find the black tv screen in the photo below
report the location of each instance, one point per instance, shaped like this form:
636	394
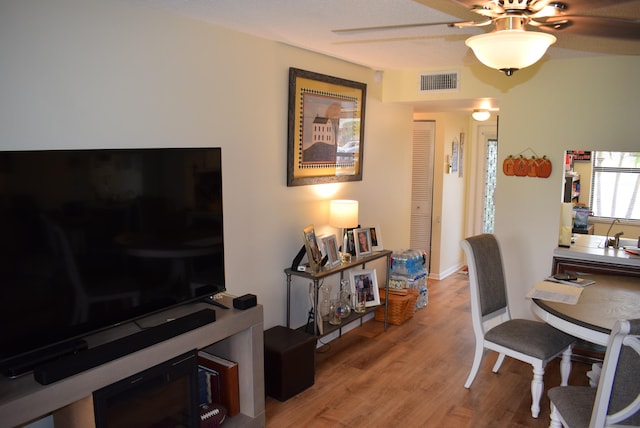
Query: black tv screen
93	238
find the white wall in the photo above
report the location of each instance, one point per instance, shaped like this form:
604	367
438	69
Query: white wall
101	73
589	103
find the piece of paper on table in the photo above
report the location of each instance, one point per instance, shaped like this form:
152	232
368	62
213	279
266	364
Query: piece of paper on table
555	292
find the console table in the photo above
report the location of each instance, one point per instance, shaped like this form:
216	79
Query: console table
317	277
236	335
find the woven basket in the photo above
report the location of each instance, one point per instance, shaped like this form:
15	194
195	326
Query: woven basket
402	305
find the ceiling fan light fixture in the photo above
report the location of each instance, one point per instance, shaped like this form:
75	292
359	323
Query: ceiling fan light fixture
510	50
481	115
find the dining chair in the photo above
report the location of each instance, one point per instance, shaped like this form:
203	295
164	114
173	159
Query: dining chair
616	400
526	340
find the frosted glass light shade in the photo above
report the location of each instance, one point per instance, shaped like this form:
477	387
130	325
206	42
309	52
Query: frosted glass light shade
481	115
510	50
343	213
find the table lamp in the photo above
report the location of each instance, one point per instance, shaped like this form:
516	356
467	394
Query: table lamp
343	214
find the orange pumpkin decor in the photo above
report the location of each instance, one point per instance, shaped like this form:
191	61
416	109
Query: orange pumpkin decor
521	166
533	167
543	167
507	166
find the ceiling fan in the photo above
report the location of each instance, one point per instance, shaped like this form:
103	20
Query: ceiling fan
509	47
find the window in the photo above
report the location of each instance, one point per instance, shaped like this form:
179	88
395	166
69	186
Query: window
489	211
615	184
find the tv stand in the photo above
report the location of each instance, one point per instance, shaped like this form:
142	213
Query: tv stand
236	335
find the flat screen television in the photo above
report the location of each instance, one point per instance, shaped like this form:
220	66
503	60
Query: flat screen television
95	238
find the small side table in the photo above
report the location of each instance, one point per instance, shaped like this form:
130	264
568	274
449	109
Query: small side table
289	362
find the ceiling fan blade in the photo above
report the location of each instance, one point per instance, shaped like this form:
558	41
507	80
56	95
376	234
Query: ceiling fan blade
593	26
392	27
470	4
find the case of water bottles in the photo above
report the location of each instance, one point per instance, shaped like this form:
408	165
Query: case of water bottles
408	270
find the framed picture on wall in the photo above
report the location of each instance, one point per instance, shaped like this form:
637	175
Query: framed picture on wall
461	155
325	129
454	156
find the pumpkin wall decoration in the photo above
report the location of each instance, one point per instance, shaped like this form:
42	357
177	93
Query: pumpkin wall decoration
521	166
543	167
533	167
507	166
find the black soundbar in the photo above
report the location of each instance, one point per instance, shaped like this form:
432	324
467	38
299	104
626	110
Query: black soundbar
25	363
68	366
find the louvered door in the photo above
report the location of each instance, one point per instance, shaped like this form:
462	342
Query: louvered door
422	185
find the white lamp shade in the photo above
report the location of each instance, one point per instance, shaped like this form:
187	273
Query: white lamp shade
343	213
510	49
481	115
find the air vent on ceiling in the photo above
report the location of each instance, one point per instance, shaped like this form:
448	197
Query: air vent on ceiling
440	82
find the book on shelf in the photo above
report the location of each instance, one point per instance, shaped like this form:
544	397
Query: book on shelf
209	385
228	377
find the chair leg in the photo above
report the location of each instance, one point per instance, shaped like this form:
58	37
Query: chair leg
565	366
537	386
477	359
555	418
498	363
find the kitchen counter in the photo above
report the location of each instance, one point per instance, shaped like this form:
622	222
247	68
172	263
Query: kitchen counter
587	253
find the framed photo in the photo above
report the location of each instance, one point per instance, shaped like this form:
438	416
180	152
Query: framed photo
313	250
367	280
461	155
376	238
363	241
325	129
454	155
330	245
349	244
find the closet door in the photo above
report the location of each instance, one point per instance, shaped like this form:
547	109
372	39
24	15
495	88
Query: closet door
422	185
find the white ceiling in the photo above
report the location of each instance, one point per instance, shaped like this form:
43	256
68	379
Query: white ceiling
308	24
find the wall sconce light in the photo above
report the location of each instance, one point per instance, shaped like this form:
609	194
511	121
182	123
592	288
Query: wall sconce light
343	214
510	48
481	115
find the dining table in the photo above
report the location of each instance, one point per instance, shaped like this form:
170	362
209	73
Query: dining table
599	305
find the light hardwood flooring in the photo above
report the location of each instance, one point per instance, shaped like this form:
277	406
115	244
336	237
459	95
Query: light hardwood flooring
413	375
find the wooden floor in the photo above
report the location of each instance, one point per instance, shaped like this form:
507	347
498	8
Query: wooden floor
413	375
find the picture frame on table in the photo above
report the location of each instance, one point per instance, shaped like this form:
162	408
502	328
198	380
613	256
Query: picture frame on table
349	244
325	128
330	245
376	238
367	280
363	241
314	256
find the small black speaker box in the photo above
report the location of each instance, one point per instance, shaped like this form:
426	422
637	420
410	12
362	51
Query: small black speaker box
245	302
